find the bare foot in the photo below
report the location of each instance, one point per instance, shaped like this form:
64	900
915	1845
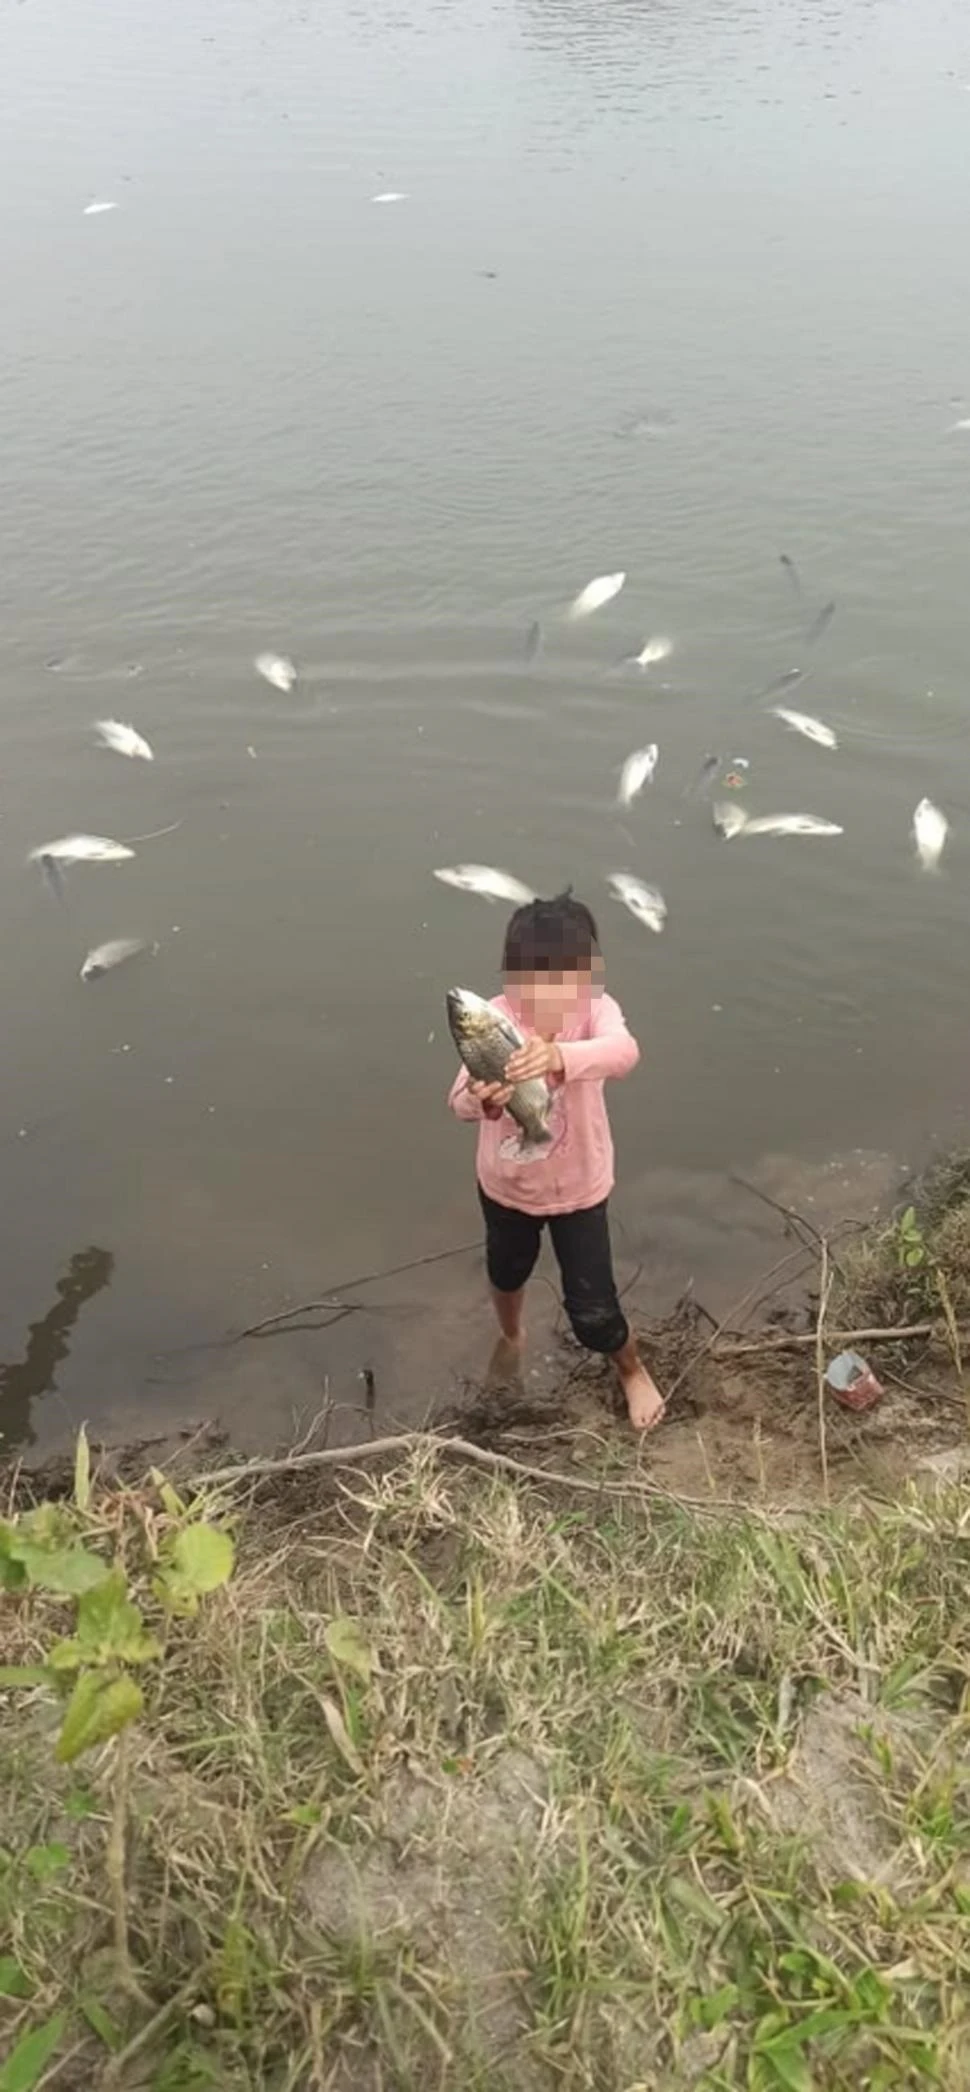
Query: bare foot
643	1399
505	1365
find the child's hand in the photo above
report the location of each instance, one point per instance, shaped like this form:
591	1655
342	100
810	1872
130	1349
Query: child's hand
536	1057
492	1096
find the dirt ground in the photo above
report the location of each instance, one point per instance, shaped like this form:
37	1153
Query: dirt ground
743	1418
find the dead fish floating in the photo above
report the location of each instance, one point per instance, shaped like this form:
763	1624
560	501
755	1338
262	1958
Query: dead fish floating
644	902
652	650
277	670
731	820
123	740
930	831
486	1040
803	723
639	769
728	818
103	958
600	590
487	880
81	849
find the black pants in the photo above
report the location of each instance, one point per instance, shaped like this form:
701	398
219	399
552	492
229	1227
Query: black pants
582	1245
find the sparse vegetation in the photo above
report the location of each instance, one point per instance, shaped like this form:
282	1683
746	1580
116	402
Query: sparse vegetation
463	1782
917	1267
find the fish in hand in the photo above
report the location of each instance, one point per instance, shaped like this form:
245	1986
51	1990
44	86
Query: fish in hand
486	1041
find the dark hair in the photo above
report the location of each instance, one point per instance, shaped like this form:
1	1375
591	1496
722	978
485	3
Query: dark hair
551	936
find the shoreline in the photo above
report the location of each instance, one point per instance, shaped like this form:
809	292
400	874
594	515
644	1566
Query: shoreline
517	1745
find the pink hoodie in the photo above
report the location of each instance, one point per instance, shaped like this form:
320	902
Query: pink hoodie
578	1170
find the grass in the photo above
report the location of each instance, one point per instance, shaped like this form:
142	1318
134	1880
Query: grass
608	1798
876	1284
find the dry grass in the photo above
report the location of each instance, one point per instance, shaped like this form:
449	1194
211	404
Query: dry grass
877	1286
575	1828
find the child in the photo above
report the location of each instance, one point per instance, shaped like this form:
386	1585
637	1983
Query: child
577	1037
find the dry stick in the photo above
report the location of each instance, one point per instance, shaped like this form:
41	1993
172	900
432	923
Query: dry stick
149	2032
306	1307
792	1341
760	1300
115	1858
709	1342
273	1325
369	1278
464	1449
824	1289
788	1213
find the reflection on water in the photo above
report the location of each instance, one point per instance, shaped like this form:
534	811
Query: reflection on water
677	286
24	1379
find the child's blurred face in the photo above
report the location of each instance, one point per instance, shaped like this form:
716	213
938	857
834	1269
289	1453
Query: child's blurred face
552	1000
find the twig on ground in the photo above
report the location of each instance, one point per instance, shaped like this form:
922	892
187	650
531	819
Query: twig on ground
794	1340
793	1257
149	2033
463	1449
115	1867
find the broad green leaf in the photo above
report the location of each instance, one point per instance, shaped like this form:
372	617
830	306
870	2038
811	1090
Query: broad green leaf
709	2011
67	1656
306	1815
344	1638
202	1557
110	1627
907	1225
101	2021
173	1592
13	1982
24	1674
26	2063
914	1257
67	1570
44	1861
786	2057
82	1471
97	1709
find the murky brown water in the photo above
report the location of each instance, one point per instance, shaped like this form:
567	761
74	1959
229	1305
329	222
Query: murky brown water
249	408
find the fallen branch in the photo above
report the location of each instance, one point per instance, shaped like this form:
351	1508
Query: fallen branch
789	1215
352	1285
461	1449
719	1328
306	1307
789	1340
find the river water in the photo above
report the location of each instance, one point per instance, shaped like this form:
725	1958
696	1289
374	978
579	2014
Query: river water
673	288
